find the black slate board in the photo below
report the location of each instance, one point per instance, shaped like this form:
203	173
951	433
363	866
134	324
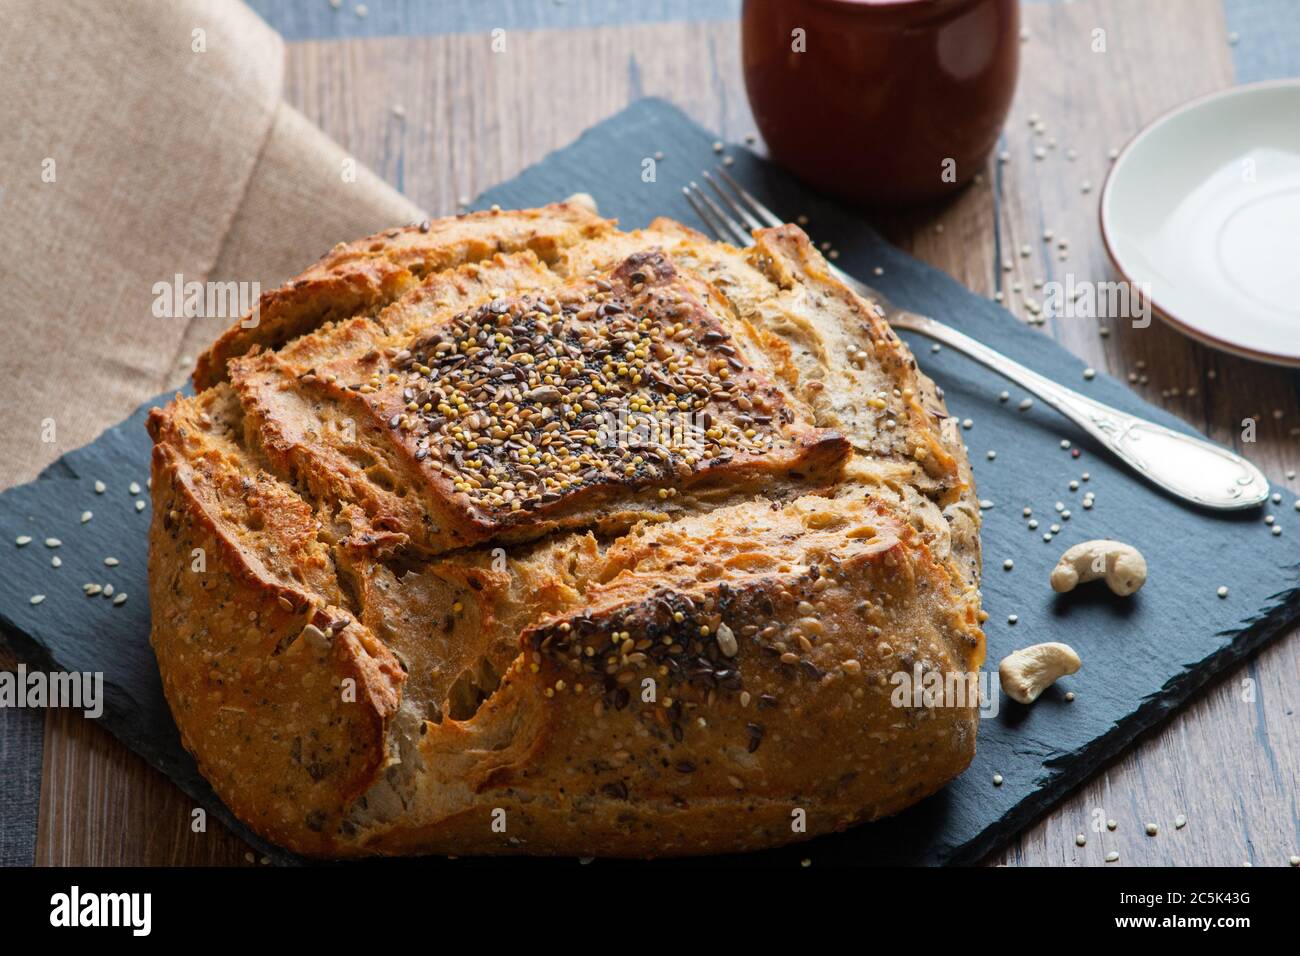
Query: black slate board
1142	657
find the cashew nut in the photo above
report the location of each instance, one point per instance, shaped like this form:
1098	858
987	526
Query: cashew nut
1028	672
586	201
1122	565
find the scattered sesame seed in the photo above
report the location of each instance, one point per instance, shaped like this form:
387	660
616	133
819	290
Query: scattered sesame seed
1295	861
1111	824
1180	821
1152	829
935	347
1003	396
997	780
100	487
92	589
1065	444
1013	619
56	562
1277	530
1112	154
52	542
1112	856
1027	512
967	424
86	516
108	590
134	488
1026	404
1277	498
1074	485
1008	564
717	146
985	503
120	599
1047	537
112	562
139	506
1089	374
1069	696
25	539
1033	524
992	454
362	11
37	598
1223	591
1080	840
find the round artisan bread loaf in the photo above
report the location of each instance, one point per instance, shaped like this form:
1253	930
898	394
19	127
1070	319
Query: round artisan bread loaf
515	533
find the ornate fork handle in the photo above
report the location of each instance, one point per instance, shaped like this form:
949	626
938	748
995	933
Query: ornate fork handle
1192	468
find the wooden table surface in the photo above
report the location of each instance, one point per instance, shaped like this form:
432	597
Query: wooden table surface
441	117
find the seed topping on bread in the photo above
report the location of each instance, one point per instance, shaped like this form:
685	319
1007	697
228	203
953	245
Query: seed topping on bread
624	378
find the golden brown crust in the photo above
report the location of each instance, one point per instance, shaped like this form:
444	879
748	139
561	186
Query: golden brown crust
360	278
431	574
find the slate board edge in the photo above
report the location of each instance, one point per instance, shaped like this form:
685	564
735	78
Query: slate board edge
187	779
1111	746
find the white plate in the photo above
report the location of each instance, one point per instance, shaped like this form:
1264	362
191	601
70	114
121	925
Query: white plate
1204	204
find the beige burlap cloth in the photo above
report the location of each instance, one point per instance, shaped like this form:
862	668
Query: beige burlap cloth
141	140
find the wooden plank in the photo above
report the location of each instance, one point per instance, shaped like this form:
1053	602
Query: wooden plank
470	118
101	805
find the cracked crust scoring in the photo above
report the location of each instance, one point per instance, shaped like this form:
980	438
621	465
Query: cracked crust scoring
408	597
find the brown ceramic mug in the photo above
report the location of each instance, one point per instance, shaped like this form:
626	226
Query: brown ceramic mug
881	102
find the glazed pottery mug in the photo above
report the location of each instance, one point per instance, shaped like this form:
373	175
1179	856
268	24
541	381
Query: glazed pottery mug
881	102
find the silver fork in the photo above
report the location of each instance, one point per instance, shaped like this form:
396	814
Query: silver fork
1191	468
